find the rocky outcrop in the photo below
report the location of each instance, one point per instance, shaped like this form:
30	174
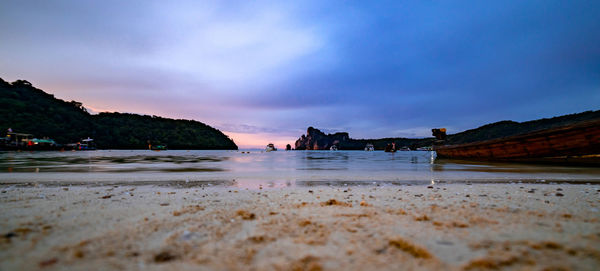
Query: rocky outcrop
317	140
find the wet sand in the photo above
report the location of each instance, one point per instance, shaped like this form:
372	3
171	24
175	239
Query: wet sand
389	227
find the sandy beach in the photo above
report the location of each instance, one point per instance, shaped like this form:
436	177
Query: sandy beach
511	226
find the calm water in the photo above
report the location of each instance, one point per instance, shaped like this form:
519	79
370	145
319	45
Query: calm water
280	168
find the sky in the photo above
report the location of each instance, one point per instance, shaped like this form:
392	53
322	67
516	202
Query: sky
264	71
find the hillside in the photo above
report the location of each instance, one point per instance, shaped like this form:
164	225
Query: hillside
317	140
27	109
509	128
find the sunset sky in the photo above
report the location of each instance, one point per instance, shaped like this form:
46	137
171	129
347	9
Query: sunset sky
263	71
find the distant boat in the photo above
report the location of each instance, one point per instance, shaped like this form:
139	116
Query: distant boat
158	147
44	144
333	148
369	147
83	145
270	147
390	148
577	144
16	141
87	145
20	141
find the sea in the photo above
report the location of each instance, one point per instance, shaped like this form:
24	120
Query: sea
260	169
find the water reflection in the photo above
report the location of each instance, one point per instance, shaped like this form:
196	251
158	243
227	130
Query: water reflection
273	184
272	169
323	160
107	161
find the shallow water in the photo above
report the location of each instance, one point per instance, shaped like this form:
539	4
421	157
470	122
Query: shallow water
273	169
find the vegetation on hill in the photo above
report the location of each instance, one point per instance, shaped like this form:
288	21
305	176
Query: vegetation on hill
27	109
381	143
509	128
315	139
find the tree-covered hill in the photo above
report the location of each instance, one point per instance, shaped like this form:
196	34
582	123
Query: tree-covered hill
317	140
27	109
129	131
509	128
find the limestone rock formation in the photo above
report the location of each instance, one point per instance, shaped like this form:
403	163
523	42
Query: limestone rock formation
317	140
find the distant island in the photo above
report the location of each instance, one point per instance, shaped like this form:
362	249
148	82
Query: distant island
317	140
26	109
314	139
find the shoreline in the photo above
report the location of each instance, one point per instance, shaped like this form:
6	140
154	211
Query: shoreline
255	184
455	226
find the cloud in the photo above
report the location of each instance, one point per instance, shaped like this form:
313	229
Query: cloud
274	68
236	51
249	129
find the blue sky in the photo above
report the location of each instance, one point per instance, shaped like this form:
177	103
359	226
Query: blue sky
263	71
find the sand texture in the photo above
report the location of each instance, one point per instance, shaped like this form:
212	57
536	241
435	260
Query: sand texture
418	227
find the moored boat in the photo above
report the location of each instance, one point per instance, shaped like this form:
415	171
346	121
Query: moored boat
158	147
83	145
270	147
27	142
16	141
390	147
87	145
577	144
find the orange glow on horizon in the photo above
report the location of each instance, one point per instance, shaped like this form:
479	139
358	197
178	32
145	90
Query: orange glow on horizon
242	140
260	140
97	110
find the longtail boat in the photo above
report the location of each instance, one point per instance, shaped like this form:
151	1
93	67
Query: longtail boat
571	144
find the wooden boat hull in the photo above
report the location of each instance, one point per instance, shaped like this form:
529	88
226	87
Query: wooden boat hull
571	144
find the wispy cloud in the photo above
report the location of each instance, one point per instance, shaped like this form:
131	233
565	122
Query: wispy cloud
271	68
